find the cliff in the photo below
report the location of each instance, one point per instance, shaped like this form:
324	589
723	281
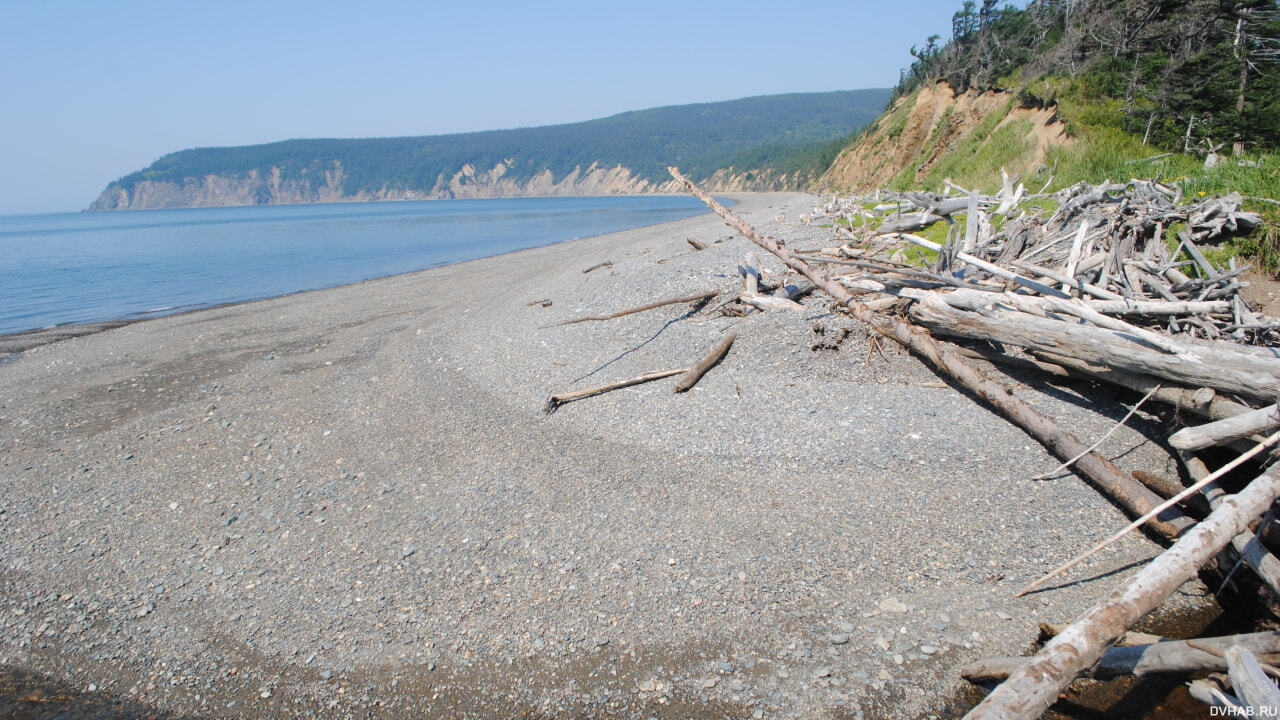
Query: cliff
272	188
937	131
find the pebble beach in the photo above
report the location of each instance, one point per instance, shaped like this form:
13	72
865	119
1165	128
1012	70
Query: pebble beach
351	503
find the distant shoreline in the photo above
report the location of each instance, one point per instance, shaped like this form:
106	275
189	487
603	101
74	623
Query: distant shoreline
13	343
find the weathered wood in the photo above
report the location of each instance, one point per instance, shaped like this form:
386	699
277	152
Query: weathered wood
749	269
1249	682
597	266
769	302
1068	463
989	267
555	401
1212	477
661	303
1201	401
1173	656
966	299
907	223
1234	373
1210	693
697	246
1222	432
697	371
1166	489
1125	491
1030	690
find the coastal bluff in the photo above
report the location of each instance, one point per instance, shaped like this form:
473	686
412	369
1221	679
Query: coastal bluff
274	188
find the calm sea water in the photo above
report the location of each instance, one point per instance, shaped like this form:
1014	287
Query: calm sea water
81	267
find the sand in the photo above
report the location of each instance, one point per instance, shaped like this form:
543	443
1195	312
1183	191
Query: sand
349	503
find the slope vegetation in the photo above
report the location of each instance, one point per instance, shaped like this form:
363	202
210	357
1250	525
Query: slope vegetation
768	142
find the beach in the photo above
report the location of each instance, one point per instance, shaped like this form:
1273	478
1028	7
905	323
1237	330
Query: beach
350	503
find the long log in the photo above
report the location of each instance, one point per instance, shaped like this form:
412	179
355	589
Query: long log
1174	656
1122	489
1227	430
1030	690
1235	373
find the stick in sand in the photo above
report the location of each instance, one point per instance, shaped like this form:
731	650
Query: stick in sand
555	401
1154	511
715	356
1091	448
642	308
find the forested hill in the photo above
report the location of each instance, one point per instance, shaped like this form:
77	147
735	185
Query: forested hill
767	142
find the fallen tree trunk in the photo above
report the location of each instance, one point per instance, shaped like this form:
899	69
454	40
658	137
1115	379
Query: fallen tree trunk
1122	489
1235	373
1174	656
1227	430
1033	687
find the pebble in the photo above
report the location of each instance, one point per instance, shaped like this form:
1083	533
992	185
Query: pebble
892	605
726	667
840	639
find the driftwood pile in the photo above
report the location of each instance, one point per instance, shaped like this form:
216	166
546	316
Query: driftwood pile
1108	283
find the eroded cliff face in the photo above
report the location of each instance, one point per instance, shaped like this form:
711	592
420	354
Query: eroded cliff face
920	130
256	188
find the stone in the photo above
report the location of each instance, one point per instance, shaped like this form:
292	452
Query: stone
892	605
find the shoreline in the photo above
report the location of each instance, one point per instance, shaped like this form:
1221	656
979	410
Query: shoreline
13	343
348	502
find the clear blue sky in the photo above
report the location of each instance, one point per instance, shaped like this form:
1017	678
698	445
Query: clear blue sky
95	90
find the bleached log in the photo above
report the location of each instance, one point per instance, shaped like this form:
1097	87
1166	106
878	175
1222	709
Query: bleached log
1031	689
1173	656
907	223
974	300
1224	431
1250	683
1244	375
769	302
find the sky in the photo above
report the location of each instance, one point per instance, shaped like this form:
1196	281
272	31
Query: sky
92	91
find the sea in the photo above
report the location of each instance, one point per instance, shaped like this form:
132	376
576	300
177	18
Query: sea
59	269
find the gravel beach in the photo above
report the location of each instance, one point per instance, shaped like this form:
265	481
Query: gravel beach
350	503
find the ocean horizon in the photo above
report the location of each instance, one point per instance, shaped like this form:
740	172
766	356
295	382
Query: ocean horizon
70	268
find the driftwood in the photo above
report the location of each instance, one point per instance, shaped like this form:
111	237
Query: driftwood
1031	689
555	401
597	266
1227	430
1250	683
1173	656
1212	477
1121	488
642	308
695	373
1238	373
697	246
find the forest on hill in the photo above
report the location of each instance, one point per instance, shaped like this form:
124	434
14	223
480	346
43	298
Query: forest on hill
790	138
1182	74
